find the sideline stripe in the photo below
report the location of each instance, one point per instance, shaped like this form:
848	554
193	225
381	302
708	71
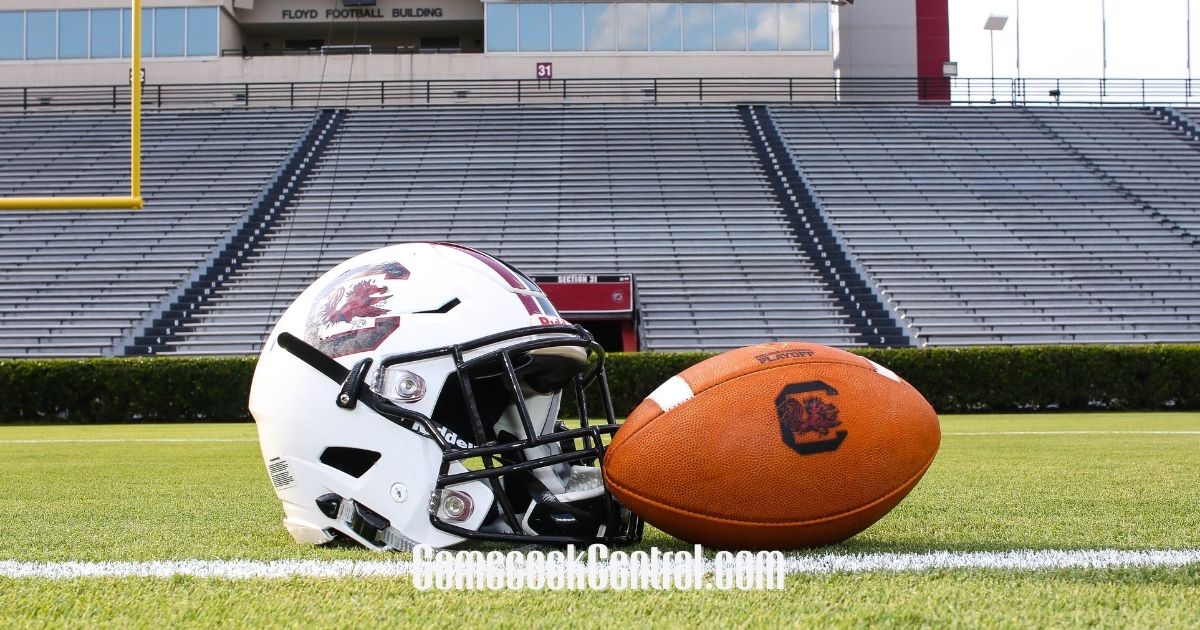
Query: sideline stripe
1027	560
125	440
1072	433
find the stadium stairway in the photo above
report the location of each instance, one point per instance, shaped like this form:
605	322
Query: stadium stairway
82	283
176	321
1141	154
968	225
1180	120
872	322
673	195
984	227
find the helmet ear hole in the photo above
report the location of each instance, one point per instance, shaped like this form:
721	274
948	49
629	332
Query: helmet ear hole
352	461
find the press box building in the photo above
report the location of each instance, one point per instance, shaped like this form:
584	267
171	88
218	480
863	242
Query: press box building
86	42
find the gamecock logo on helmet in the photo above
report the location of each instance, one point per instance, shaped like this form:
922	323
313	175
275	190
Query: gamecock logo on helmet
807	417
362	301
352	313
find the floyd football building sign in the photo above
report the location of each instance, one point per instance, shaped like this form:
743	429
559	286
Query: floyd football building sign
382	11
360	13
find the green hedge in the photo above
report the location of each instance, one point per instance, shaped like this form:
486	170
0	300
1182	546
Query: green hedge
156	389
1064	378
1048	378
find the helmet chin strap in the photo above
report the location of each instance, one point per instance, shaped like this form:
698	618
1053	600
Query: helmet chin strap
560	493
543	411
579	511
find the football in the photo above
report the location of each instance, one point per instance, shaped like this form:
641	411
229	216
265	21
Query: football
776	446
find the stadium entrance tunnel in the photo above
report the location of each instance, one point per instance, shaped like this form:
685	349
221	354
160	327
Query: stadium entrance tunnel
603	304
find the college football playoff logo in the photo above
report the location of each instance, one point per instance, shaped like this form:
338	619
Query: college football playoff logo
808	418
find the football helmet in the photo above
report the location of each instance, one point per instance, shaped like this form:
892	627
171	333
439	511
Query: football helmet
411	396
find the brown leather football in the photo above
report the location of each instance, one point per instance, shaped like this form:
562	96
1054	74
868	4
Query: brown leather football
776	446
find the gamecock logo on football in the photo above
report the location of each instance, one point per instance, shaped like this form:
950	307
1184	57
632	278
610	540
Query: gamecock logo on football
807	418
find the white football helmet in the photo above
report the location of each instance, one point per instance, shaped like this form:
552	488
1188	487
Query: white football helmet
411	395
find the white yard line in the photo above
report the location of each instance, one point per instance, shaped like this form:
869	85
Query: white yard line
807	564
1024	560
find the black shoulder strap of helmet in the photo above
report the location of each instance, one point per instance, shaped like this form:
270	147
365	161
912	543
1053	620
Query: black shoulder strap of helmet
320	361
350	379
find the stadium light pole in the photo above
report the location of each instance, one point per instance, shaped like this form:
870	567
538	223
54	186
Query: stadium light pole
134	201
1103	45
1018	27
994	23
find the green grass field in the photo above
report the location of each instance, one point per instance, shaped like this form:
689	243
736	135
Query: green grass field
1094	481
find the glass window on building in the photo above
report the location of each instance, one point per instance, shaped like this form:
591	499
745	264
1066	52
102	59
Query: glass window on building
698	27
73	34
202	39
533	24
169	32
567	26
106	34
794	28
147	32
12	34
41	34
631	26
762	26
599	26
664	26
657	26
501	24
820	27
730	21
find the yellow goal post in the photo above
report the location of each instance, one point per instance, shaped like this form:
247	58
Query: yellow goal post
134	201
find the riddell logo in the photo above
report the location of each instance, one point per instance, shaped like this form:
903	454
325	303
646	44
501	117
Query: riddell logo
808	417
446	434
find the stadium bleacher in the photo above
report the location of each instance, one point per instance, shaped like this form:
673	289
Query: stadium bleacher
978	225
82	283
1142	155
672	195
984	227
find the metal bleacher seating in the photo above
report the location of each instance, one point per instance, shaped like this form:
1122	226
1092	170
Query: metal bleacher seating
1011	226
1141	153
980	225
672	194
81	283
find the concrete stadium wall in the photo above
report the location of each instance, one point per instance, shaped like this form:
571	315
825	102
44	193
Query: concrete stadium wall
877	38
381	67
